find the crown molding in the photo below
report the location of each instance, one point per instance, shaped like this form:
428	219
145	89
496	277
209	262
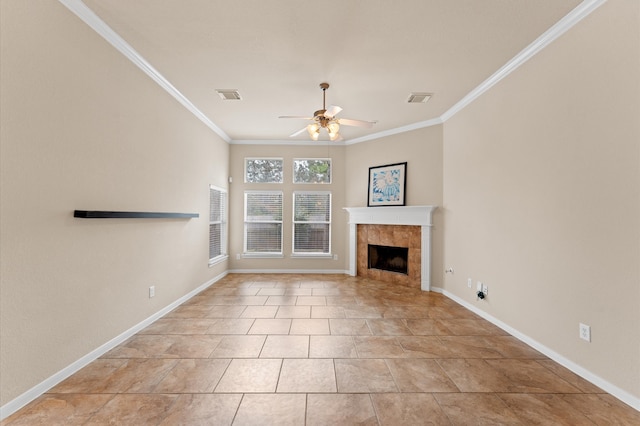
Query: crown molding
395	131
285	142
559	28
83	12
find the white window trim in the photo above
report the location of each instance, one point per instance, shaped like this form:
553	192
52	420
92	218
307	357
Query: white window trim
224	229
262	158
299	255
254	255
293	177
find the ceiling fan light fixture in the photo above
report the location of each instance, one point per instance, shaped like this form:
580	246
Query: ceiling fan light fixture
333	127
314	131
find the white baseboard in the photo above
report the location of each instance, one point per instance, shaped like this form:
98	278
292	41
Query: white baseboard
621	394
39	389
289	271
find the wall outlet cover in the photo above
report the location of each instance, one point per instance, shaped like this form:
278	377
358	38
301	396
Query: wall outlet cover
585	332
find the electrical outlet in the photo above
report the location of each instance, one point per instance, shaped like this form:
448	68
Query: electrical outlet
152	291
469	282
585	332
485	289
237	256
479	286
335	257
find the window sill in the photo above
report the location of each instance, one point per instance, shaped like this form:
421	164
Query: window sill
218	259
311	256
262	255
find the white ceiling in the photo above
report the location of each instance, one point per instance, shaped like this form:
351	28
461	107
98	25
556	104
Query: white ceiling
374	53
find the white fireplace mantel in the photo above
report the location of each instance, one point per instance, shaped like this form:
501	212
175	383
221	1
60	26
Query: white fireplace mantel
394	215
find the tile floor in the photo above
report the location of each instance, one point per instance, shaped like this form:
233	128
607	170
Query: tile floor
322	350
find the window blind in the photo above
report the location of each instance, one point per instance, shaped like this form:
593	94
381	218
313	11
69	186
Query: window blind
263	222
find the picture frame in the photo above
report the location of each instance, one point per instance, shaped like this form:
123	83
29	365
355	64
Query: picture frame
387	185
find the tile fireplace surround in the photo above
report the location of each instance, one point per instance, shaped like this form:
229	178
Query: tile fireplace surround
407	226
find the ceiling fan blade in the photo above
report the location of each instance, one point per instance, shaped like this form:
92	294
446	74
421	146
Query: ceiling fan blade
332	111
357	123
296	116
292	135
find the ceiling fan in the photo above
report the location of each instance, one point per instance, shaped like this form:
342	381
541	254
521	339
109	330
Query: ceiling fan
326	119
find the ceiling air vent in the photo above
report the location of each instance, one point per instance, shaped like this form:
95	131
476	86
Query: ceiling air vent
229	94
419	98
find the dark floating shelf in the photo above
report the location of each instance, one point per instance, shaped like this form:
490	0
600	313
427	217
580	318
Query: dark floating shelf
98	214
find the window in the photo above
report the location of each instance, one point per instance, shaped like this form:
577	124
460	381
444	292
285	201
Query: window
312	170
217	224
311	222
263	170
263	223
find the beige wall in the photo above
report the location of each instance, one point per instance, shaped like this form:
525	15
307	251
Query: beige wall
82	128
422	150
542	196
323	149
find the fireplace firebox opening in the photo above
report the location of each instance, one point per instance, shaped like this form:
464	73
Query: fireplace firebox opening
386	258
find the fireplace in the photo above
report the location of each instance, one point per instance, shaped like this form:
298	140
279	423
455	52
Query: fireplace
392	226
388	258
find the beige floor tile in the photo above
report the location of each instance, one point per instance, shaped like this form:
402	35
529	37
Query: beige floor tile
570	377
250	376
166	346
239	347
193	376
488	409
420	375
231	326
603	409
340	409
427	327
414	312
59	409
529	376
362	312
409	409
298	292
363	376
179	326
294	312
325	292
431	362
378	347
145	409
311	301
388	327
348	327
307	376
259	312
332	347
423	347
271	409
189	311
225	311
471	327
545	409
271	292
469	347
277	346
281	300
203	409
309	326
271	326
475	375
327	312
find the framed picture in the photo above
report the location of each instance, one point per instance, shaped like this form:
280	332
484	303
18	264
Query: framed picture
387	185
